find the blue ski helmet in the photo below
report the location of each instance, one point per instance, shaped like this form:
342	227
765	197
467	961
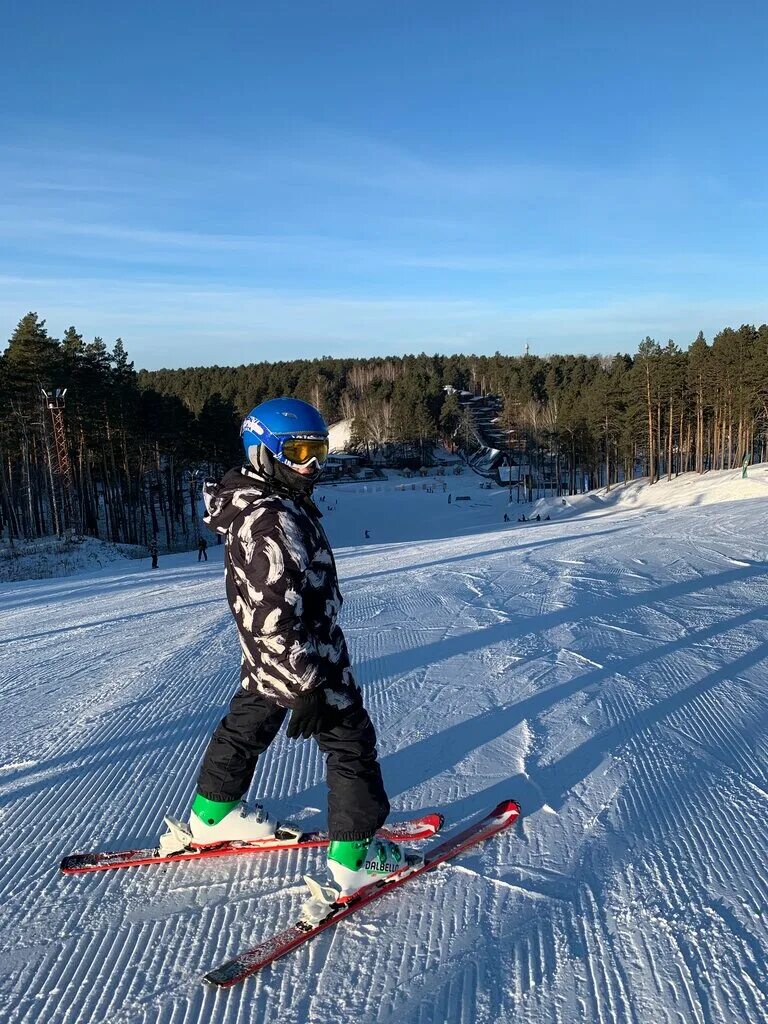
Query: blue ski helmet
293	431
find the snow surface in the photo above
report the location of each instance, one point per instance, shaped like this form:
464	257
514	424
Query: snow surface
606	668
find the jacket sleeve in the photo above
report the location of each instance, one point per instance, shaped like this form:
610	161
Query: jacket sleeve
269	559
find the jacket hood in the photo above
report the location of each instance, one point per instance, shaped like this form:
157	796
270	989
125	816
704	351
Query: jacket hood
238	488
225	499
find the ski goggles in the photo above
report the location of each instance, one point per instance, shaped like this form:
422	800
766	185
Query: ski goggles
290	449
300	451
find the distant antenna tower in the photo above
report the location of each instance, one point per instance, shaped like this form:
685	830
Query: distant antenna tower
527	348
55	402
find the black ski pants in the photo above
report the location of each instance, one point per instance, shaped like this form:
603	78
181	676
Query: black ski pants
357	803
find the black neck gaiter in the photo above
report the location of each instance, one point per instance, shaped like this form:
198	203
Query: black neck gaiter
282	477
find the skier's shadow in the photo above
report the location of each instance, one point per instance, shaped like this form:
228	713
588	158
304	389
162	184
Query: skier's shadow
400	662
426	759
506	550
429	757
552	784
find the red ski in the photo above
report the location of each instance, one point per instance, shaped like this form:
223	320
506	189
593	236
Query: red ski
287	837
242	966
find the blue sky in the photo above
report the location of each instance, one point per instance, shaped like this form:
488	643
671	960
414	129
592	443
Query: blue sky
224	183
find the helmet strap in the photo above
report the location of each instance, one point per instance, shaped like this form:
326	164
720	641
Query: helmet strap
261	458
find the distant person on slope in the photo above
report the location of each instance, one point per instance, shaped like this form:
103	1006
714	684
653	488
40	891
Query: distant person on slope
202	550
283	590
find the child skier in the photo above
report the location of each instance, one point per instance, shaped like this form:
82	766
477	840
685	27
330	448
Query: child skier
283	590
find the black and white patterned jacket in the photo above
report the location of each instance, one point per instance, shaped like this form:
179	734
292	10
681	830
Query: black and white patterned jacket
282	588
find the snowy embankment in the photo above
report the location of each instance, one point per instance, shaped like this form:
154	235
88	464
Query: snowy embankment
58	556
606	668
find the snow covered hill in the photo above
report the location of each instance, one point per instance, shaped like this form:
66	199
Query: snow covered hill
607	668
340	434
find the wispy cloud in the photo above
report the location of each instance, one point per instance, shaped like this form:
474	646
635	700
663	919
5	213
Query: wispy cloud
355	161
80	189
366	247
140	244
164	323
328	159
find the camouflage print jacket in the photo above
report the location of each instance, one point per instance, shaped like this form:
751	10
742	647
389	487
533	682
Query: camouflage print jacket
282	588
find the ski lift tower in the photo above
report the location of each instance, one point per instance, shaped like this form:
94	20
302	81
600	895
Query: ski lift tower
55	402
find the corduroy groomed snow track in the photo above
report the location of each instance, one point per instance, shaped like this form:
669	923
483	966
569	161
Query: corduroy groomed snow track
608	669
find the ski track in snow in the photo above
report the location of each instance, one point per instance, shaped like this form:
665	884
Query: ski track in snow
607	670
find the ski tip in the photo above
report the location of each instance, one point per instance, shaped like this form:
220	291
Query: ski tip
76	863
221	977
434	822
507	809
231	973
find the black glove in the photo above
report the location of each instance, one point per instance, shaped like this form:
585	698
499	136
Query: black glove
308	716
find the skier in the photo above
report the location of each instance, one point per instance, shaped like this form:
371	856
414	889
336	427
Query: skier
202	549
153	552
283	591
367	535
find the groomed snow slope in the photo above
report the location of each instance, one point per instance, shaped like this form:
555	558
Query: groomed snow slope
608	669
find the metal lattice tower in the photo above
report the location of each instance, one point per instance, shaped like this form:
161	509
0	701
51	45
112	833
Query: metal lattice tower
55	402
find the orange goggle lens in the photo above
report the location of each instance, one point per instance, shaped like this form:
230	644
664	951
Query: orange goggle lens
303	449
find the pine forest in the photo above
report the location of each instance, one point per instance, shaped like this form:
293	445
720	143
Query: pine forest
91	446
